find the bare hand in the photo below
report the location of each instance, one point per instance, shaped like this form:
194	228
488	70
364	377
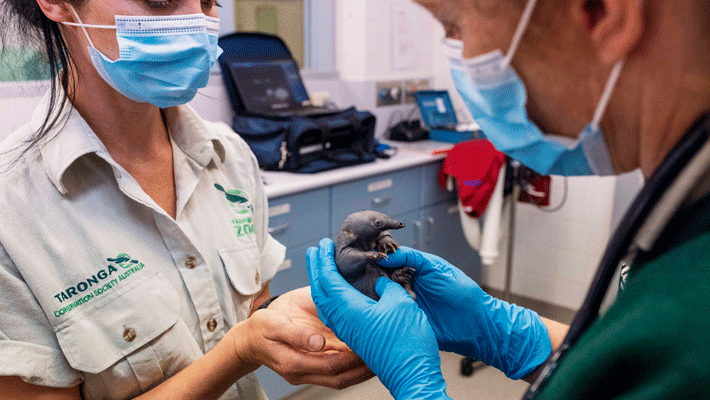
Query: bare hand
289	338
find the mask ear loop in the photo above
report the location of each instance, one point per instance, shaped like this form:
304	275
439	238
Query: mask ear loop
522	26
84	26
608	91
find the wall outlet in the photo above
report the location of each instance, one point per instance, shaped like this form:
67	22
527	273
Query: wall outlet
389	93
536	191
412	86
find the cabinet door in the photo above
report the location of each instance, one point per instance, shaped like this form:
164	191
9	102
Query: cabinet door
294	277
296	273
411	234
432	193
300	218
393	193
443	236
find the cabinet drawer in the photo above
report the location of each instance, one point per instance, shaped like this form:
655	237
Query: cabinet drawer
412	233
432	193
300	218
295	275
392	194
443	236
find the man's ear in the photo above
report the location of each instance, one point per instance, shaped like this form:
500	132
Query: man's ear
430	5
440	10
615	26
57	10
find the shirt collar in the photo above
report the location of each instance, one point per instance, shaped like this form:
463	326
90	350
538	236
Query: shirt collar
192	135
72	138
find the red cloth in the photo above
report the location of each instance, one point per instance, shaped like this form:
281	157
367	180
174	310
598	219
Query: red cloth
475	165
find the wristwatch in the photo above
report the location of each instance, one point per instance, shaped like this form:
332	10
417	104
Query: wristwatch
265	304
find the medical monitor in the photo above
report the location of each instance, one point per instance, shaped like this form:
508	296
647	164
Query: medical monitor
436	108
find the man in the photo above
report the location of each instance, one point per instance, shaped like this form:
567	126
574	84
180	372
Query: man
633	76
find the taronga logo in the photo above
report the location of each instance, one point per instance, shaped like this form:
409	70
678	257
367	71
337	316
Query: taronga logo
237	199
244	224
97	284
123	260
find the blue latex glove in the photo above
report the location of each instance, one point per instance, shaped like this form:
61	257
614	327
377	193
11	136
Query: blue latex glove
468	321
392	335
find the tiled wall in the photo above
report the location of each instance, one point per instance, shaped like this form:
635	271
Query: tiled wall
556	254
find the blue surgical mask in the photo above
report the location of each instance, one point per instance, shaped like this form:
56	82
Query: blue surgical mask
163	60
496	97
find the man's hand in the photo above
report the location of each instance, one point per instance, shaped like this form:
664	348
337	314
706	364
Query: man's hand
468	321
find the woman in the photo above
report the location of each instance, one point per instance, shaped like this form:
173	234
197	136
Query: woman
134	252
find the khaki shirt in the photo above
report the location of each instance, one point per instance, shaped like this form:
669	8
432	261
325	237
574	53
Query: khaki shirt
99	286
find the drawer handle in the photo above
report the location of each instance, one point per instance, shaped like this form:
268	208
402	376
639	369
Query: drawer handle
276	230
430	229
417	234
379	201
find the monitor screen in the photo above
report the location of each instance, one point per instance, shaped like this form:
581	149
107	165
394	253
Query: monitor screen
436	108
269	85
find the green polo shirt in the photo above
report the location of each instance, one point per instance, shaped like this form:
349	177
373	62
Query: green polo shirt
654	342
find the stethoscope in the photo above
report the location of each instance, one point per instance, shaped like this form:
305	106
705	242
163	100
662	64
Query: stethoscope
666	191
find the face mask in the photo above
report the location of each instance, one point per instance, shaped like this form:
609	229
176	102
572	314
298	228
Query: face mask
163	60
496	97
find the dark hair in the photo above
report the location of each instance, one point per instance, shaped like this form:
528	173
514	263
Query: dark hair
26	18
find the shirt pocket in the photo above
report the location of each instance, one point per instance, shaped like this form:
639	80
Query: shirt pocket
119	325
243	265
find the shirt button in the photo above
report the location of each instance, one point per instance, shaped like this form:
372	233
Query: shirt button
257	278
129	335
212	325
190	262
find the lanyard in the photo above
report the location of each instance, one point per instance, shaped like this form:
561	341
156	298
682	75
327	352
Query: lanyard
665	192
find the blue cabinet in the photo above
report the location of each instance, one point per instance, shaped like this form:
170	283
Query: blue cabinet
444	237
300	218
273	384
431	191
295	274
293	277
392	194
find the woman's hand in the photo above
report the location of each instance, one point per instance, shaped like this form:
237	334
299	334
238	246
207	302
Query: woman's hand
288	338
298	305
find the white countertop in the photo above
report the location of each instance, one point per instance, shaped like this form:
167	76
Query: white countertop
278	184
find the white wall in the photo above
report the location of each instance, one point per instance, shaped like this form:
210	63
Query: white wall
556	254
383	39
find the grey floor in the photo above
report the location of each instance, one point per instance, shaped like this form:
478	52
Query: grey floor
486	383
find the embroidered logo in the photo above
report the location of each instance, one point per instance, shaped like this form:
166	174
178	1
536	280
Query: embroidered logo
237	199
244	224
99	283
624	279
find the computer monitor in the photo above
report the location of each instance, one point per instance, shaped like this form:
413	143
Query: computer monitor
268	86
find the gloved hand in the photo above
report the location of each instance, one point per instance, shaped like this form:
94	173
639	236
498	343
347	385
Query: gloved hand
391	335
468	321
